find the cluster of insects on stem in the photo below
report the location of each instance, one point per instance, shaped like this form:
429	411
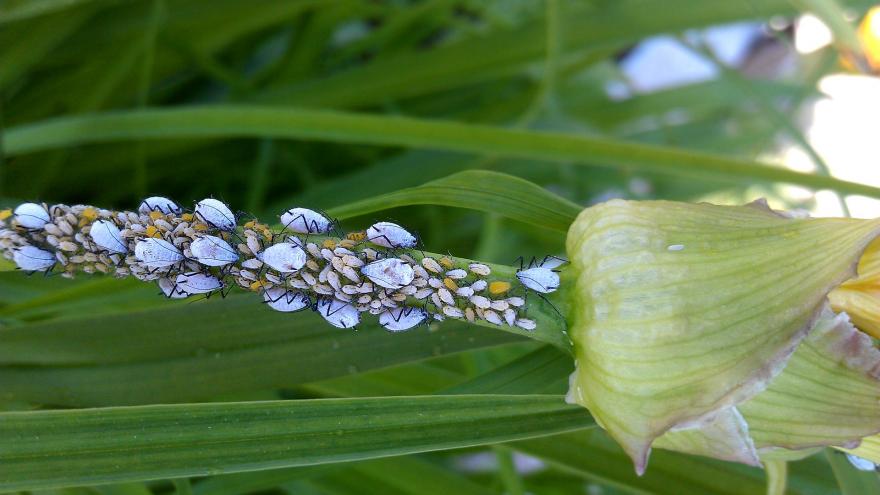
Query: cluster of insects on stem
309	263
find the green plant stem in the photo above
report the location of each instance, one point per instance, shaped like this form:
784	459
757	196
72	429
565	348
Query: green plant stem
510	479
777	476
260	121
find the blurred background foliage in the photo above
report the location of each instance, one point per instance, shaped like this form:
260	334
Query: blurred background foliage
749	80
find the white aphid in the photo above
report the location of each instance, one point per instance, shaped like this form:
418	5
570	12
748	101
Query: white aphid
479	285
539	279
481	302
107	236
453	312
157	253
431	264
456	274
390	235
211	250
170	289
197	283
526	324
492	317
675	247
306	221
286	301
339	314
252	264
215	213
861	463
480	269
31	215
284	257
160	204
33	259
391	273
401	319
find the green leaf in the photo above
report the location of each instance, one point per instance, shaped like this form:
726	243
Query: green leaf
91	446
257	121
851	480
481	190
196	351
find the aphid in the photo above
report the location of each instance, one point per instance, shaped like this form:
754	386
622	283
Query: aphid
107	236
500	305
31	215
286	301
306	221
170	289
526	324
539	279
197	283
498	287
252	264
469	314
492	317
391	273
337	313
159	204
284	257
509	317
450	284
211	250
481	302
33	259
452	312
479	285
402	319
216	214
456	274
446	262
446	296
390	235
516	301
157	253
423	293
480	269
465	291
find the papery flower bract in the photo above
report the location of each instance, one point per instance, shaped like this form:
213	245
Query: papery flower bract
860	296
681	313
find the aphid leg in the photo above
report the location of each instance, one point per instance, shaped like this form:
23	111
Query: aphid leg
521	262
561	316
552	257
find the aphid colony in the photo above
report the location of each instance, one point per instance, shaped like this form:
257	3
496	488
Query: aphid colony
301	267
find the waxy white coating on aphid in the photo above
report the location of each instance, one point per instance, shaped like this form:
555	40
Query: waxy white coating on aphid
211	250
107	236
539	279
480	269
338	313
481	302
170	289
197	283
215	213
479	285
431	265
284	257
456	274
31	215
281	299
492	317
160	204
33	259
157	253
860	463
402	319
391	273
526	324
390	235
305	221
